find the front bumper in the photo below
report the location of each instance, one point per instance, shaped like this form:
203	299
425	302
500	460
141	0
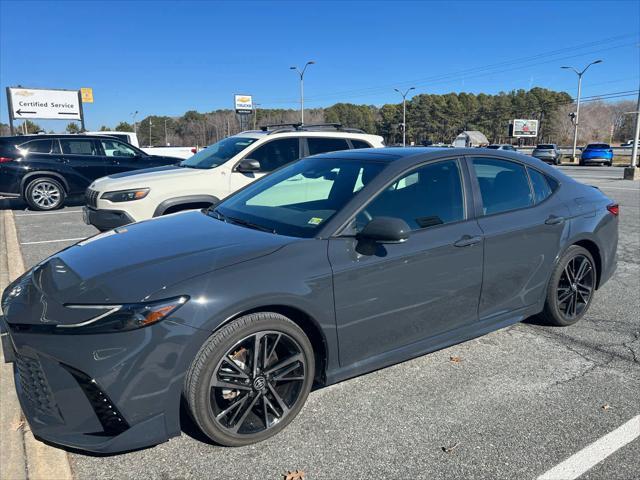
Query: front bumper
105	219
103	393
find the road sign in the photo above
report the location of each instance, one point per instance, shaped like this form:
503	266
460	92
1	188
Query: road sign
243	104
46	104
524	128
87	95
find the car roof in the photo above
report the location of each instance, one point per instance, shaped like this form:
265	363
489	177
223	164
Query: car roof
304	133
26	138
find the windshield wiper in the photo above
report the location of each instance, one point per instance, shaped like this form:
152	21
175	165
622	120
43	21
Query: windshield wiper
244	223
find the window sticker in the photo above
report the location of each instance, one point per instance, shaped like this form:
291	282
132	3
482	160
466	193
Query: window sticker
315	221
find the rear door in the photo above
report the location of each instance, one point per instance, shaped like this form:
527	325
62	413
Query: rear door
523	229
83	156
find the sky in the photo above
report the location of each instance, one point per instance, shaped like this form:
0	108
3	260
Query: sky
168	57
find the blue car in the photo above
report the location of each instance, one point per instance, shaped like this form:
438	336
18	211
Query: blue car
597	153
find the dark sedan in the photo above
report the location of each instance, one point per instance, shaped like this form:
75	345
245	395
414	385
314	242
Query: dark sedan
45	169
330	267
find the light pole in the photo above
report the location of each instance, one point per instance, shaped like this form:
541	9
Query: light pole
404	114
150	124
301	73
166	138
135	126
632	172
577	119
255	114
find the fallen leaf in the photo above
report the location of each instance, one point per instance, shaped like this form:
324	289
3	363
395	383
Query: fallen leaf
451	448
606	406
294	475
17	425
455	359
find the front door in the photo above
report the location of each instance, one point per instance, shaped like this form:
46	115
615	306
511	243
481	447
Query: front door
83	156
270	155
120	157
407	292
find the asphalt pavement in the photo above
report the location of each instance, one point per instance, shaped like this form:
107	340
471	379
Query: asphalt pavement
512	404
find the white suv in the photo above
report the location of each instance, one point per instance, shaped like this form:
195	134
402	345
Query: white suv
213	173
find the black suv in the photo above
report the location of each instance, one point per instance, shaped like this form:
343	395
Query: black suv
45	169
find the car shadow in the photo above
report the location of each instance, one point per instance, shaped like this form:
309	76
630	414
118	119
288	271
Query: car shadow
19	204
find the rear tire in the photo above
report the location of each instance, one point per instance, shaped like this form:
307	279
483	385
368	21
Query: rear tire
45	193
270	387
571	288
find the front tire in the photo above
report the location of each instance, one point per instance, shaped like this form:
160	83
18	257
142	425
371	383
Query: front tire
571	288
250	379
45	193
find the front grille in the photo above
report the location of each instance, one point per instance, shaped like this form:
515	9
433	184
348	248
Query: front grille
34	386
91	197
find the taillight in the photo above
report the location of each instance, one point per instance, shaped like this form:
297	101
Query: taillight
194	150
6	159
614	209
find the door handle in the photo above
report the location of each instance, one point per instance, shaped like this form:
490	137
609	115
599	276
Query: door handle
554	220
467	240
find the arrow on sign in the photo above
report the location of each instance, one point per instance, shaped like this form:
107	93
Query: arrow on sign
67	113
20	112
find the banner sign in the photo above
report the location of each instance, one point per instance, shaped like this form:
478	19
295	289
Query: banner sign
243	104
525	128
45	104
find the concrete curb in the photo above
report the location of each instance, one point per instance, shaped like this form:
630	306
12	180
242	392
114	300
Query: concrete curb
23	457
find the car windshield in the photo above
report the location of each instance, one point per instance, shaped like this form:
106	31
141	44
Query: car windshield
494	147
598	145
218	153
300	198
545	147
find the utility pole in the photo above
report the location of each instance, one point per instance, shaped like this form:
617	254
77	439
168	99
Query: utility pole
404	114
166	138
301	73
632	172
577	117
150	124
255	115
135	125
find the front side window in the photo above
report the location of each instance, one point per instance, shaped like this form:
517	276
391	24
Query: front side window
429	196
78	147
504	185
37	146
115	148
542	185
276	153
323	145
218	153
300	198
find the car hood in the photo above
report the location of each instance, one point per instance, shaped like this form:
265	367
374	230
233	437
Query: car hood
145	177
128	264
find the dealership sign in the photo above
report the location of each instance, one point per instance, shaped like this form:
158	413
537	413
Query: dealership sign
524	128
243	104
46	104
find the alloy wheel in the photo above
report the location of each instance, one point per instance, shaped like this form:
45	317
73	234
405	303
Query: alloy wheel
46	195
575	287
257	382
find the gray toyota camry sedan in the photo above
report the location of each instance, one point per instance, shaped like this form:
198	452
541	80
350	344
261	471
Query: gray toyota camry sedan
330	267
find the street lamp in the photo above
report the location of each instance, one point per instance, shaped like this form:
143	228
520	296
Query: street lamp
166	138
135	126
255	114
577	118
404	114
150	124
301	73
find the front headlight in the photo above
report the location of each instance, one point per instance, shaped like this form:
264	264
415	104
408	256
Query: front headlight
125	195
121	318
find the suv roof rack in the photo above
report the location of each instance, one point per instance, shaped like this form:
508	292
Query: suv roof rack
299	127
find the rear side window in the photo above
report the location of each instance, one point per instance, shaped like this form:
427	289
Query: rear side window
78	147
598	145
543	186
546	147
323	145
504	185
360	144
37	146
276	153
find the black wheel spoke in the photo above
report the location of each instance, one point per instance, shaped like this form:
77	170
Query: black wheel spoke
271	350
280	365
283	406
236	426
280	375
237	404
567	292
229	384
239	372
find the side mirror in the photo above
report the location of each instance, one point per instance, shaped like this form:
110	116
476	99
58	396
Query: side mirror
385	230
248	165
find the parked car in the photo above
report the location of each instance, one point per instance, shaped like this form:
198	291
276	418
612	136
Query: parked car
45	169
547	152
212	173
132	138
628	143
597	153
331	267
501	146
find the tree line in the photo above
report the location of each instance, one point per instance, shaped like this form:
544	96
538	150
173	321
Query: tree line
430	118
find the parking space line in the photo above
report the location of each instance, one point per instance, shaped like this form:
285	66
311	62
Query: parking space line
588	457
53	241
45	213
